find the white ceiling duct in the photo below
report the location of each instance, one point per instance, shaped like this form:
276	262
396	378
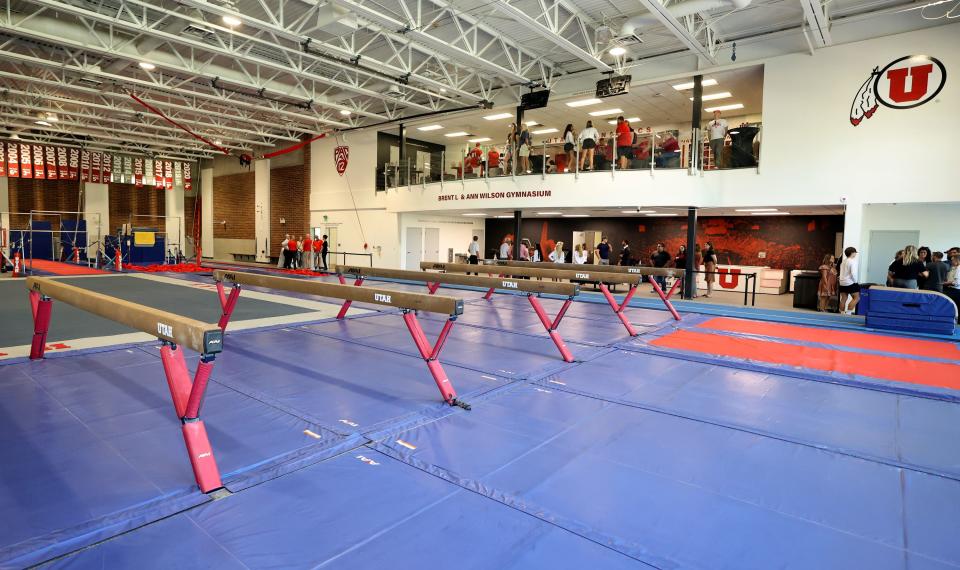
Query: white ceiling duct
679	10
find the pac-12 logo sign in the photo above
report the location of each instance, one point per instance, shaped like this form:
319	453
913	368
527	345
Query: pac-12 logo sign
341	156
904	83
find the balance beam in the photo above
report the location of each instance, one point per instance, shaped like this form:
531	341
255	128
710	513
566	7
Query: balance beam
408	303
553	272
492	284
174	332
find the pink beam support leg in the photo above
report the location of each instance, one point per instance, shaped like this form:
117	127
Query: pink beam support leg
431	356
195	433
41	325
432	287
489	294
618	308
178	379
346	304
676	283
227	304
551	326
665	299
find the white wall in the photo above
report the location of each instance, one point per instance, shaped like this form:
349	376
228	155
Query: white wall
96	200
176	224
938	224
455	232
206	211
261	209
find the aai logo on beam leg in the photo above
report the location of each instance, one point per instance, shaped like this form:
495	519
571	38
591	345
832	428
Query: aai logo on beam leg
904	83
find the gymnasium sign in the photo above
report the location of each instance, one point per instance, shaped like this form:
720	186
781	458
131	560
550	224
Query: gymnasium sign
903	83
341	156
494	195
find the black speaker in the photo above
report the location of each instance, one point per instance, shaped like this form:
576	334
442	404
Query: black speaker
534	99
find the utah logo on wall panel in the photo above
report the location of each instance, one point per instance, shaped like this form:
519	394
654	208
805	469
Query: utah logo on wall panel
904	83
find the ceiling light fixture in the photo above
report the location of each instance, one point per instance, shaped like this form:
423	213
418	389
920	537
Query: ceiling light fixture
504	217
756	210
44	123
549	213
344	112
730	107
232	21
531	123
715	96
605	112
705	83
583	102
457	134
147	66
443	89
481	139
474	214
769	213
661	215
52	117
430	128
638	211
498	116
575	215
544	131
617	51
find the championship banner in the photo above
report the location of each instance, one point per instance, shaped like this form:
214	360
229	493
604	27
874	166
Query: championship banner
74	166
158	173
95	158
3	159
168	174
128	170
63	166
116	172
26	163
84	165
107	173
187	180
51	162
148	171
178	174
39	170
13	160
138	172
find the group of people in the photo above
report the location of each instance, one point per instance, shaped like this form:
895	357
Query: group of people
304	253
912	268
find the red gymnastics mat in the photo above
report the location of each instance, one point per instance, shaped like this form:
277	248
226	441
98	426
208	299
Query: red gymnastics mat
58	268
939	374
866	341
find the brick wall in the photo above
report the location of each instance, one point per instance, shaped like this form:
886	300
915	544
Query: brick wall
289	199
127	200
234	201
53	195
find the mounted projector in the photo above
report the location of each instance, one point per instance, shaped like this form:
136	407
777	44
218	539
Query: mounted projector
534	99
394	90
613	85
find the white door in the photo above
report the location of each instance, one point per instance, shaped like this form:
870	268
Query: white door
883	247
431	244
333	244
414	248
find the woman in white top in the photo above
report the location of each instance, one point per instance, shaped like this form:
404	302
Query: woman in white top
849	281
569	146
588	142
579	255
558	255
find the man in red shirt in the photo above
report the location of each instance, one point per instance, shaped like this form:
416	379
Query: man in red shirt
317	246
624	142
493	158
290	253
308	252
476	155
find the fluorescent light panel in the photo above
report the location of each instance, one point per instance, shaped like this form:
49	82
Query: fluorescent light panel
549	213
660	215
575	215
474	214
148	66
769	213
457	134
498	116
705	83
583	102
544	131
715	96
481	139
630	120
231	20
430	128
605	112
730	107
756	210
530	123
638	211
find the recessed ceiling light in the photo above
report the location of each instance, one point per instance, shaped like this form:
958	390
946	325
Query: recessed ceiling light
505	216
756	210
481	139
44	123
344	112
530	123
605	112
218	141
457	134
617	51
583	102
52	117
549	213
661	215
498	116
443	89
474	214
231	21
544	131
430	128
725	107
147	66
705	83
575	215
714	96
769	213
638	211
630	120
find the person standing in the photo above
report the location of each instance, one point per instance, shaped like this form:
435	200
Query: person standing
697	264
324	248
710	267
717	131
579	255
558	255
523	150
938	273
308	252
625	258
603	252
660	258
537	253
291	253
906	271
849	281
624	143
926	256
473	251
282	259
828	283
524	249
951	284
506	252
588	142
317	246
569	146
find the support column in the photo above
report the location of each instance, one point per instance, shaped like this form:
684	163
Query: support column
206	215
690	278
261	209
517	217
4	216
176	223
96	198
696	146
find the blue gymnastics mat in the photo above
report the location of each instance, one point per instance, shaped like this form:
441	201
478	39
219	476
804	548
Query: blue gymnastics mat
359	510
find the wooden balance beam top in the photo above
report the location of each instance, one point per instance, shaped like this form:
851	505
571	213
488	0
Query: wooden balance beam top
638	270
390	298
205	338
505	283
548	272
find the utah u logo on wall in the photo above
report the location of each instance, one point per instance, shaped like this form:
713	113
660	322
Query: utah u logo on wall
904	83
341	156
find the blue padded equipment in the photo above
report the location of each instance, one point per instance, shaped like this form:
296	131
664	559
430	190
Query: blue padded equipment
896	309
